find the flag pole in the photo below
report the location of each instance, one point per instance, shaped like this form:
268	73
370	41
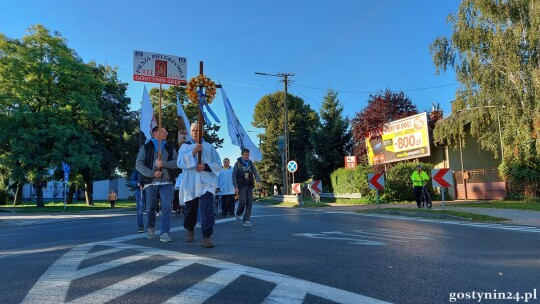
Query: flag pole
159	125
200	117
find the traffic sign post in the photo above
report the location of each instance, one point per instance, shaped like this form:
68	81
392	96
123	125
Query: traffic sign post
442	178
297	189
376	182
292	166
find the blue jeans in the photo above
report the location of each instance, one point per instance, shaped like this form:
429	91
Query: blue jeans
206	203
140	207
166	197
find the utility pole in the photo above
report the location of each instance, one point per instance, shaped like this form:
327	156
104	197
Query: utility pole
285	80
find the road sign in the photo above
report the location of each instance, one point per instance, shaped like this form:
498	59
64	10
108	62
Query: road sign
159	68
442	177
292	166
316	186
350	162
376	181
297	188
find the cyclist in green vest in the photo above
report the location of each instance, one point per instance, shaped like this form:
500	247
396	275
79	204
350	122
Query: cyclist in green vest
419	178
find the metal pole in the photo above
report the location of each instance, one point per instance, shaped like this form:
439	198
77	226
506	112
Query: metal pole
462	170
442	194
65	194
378	205
286	144
500	134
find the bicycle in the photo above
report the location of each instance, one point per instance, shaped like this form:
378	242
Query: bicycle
425	197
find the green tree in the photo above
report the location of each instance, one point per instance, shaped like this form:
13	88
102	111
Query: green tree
45	91
332	140
382	108
302	121
494	51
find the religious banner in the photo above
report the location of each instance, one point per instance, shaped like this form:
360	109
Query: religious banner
159	68
400	140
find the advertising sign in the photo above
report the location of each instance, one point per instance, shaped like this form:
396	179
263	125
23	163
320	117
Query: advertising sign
400	140
159	68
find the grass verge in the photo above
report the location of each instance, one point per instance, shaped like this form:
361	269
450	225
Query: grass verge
516	205
473	217
57	207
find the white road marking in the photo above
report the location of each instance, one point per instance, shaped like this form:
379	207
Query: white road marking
53	285
12	253
477	225
207	288
378	234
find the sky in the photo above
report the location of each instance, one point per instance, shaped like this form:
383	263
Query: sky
355	47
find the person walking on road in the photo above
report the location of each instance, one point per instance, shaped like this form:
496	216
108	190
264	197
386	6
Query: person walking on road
198	186
244	176
112	198
226	189
157	176
134	182
419	178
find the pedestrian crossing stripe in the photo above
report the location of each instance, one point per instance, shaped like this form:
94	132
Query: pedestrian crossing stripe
54	285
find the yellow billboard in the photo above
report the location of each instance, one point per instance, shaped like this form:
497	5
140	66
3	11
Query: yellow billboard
400	140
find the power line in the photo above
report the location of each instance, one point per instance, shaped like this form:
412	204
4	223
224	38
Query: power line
319	104
375	92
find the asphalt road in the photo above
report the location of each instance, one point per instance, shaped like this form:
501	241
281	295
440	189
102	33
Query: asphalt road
288	256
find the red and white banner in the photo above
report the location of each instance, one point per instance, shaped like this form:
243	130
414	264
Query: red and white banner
159	68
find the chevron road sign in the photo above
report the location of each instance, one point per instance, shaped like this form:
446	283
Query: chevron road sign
442	177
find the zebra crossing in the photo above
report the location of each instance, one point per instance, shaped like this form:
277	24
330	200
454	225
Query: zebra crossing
79	267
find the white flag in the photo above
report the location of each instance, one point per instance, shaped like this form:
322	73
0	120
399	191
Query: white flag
148	120
180	112
237	133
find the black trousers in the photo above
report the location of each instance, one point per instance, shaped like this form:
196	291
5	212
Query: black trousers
418	194
227	204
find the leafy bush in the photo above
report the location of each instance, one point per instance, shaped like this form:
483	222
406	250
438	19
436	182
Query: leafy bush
5	196
350	180
399	185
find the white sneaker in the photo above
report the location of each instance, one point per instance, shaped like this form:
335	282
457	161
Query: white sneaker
165	237
247	224
198	225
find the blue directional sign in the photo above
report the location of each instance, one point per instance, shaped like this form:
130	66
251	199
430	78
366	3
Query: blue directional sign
292	166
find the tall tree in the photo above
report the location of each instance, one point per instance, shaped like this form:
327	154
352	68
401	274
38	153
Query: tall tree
494	49
382	108
46	90
332	140
302	121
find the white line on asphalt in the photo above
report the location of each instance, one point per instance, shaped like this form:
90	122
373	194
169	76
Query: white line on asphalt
8	254
205	289
53	285
119	289
477	225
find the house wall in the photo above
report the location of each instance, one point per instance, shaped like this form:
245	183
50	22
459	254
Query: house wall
55	190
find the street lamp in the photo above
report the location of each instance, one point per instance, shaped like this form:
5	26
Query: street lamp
285	123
